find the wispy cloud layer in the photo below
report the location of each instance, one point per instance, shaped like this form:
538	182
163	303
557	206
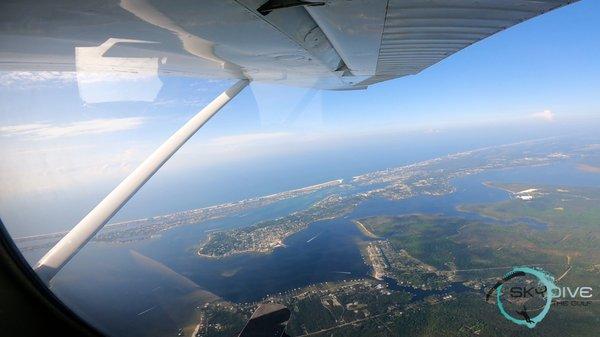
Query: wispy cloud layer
248	138
94	126
546	115
51	169
28	79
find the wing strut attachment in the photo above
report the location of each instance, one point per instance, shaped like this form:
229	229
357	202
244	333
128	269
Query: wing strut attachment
83	232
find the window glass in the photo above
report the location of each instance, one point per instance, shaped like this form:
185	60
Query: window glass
388	211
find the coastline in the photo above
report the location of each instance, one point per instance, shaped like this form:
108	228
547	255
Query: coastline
364	230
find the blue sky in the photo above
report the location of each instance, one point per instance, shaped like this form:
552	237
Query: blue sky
544	72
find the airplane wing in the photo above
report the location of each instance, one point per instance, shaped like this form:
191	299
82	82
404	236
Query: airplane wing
270	319
325	44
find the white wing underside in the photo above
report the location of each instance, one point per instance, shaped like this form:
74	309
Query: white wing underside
339	45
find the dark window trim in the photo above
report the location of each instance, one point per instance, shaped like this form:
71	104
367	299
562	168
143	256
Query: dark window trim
27	306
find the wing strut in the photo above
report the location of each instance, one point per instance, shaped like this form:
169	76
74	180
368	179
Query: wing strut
83	232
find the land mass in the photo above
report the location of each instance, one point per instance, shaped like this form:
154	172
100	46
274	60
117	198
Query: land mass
430	178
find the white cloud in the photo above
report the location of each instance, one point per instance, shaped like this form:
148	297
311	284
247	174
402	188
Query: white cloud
202	152
94	126
546	115
29	79
43	167
50	168
248	138
432	130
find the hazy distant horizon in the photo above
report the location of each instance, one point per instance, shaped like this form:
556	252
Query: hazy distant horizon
173	190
